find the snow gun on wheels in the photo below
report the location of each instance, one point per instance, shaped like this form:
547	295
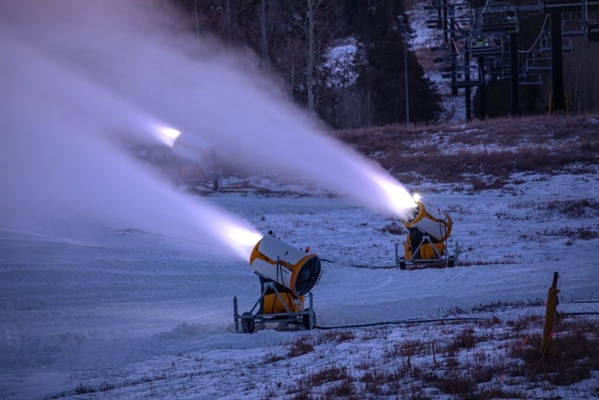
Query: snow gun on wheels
426	243
287	274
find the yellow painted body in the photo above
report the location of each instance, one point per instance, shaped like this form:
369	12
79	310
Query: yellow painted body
273	305
432	223
283	265
426	250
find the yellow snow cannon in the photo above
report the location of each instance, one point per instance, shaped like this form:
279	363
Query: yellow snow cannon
287	274
426	242
284	264
196	159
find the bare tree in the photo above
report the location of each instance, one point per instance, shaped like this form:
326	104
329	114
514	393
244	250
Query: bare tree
263	30
581	76
197	16
228	11
210	17
312	7
311	19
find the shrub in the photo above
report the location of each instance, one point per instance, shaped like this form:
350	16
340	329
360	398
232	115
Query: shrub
571	358
300	347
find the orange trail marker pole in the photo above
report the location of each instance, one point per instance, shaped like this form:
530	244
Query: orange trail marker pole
550	312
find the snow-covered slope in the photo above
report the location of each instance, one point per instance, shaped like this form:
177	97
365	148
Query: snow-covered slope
151	316
454	107
114	284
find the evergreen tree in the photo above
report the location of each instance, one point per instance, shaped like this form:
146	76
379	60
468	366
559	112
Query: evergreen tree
383	75
278	31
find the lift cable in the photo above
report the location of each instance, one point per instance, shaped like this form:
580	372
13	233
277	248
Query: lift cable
538	37
455	46
484	9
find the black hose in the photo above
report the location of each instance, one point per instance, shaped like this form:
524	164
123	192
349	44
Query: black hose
425	321
404	321
585	301
567	314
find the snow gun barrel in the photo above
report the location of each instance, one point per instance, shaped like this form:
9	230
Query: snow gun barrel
430	220
429	229
282	263
192	147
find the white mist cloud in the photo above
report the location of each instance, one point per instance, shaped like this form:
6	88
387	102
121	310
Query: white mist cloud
73	73
57	168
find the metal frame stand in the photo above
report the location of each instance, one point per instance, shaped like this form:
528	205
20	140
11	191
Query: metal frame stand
247	320
441	260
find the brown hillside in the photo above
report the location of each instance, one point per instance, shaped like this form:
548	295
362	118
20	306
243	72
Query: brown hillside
482	153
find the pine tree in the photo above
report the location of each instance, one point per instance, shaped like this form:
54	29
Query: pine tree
383	75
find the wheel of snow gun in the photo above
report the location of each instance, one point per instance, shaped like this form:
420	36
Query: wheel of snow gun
306	320
402	263
451	261
247	323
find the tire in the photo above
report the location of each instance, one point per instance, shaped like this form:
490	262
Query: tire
402	264
306	320
247	323
451	262
215	185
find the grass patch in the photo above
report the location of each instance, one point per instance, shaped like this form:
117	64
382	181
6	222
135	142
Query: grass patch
571	358
469	152
480	360
300	347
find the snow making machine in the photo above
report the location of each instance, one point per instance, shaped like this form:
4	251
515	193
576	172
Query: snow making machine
287	275
198	167
426	242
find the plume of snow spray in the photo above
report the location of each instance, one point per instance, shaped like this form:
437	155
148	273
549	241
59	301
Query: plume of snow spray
57	167
92	69
148	57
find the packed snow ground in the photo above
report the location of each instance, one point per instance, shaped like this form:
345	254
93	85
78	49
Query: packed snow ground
135	314
125	308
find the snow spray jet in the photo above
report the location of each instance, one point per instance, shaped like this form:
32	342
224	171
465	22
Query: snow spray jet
145	54
59	171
